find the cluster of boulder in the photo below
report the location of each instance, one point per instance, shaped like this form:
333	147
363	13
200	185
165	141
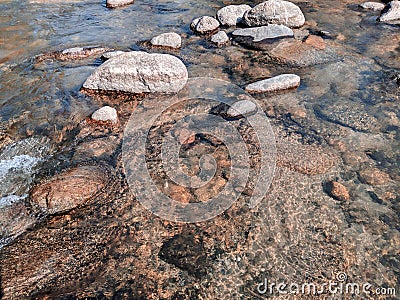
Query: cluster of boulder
390	13
269	19
142	72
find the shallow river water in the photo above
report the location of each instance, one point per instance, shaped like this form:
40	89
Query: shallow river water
341	124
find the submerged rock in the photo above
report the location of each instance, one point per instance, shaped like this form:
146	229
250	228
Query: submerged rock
259	34
315	41
18	164
139	72
275	12
204	25
372	5
106	114
74	53
242	108
15	218
373	176
70	188
220	38
392	13
277	83
169	39
118	3
337	191
232	14
353	116
301	54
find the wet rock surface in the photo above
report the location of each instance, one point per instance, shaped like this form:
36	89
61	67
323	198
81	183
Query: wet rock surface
75	53
392	13
275	12
220	38
337	191
169	40
204	25
232	14
106	114
259	34
374	176
373	5
301	54
139	72
277	83
70	189
353	117
111	54
118	3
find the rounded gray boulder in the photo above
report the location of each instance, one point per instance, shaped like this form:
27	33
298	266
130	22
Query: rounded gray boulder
139	72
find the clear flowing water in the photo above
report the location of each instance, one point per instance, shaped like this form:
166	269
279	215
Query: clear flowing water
349	104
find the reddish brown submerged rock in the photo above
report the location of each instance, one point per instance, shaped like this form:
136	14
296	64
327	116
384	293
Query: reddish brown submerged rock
373	176
337	191
70	188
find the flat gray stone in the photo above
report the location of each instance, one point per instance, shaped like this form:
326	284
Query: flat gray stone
232	14
204	25
392	14
118	3
277	83
265	32
242	108
106	113
220	38
139	72
169	39
75	50
275	12
373	5
112	54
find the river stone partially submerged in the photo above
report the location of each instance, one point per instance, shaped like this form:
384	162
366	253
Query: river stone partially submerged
220	38
106	114
168	40
275	12
392	13
204	25
259	34
118	3
139	72
232	14
277	83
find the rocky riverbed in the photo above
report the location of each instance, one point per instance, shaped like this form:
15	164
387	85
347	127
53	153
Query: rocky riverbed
71	76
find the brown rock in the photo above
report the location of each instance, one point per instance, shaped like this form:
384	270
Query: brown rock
373	176
315	41
337	191
354	158
70	189
179	193
97	148
185	136
301	54
306	159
